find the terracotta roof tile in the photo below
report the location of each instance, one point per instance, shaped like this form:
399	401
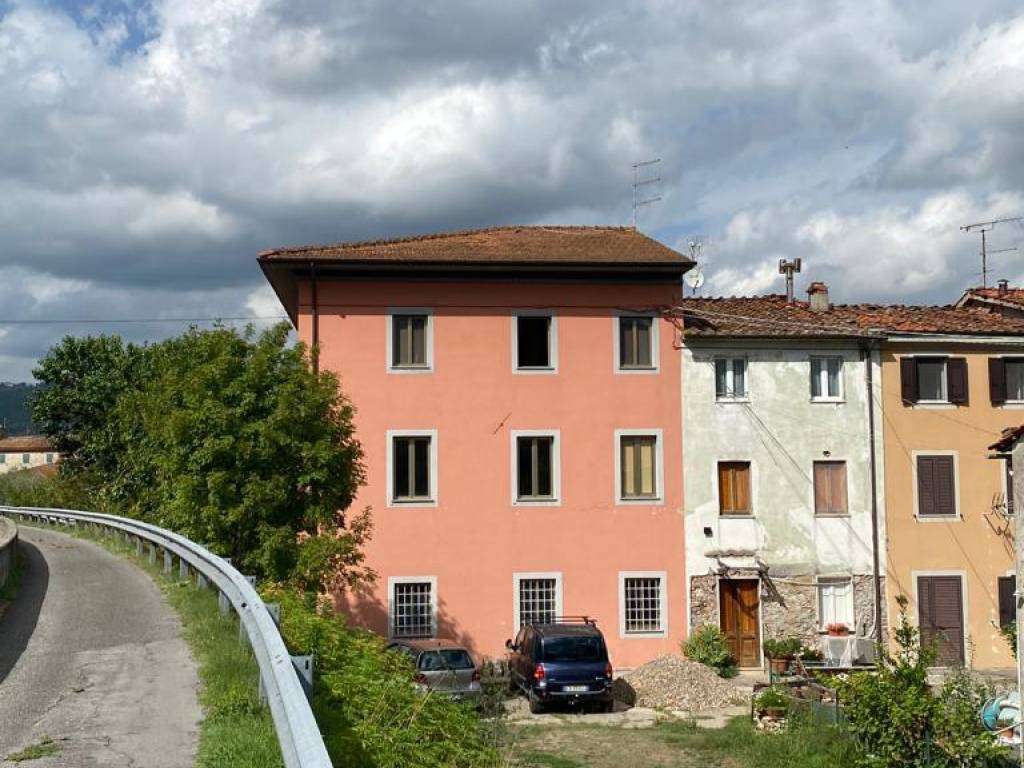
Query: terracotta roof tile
24	444
525	245
1009	438
1013	296
772	316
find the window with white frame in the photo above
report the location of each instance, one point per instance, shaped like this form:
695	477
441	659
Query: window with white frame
835	601
643	603
26	458
535	467
535	342
412	466
1014	368
412	608
730	378
932	380
827	378
638	464
538	598
409	340
636	343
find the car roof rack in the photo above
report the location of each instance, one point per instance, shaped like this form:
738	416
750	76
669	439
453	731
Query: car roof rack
571	620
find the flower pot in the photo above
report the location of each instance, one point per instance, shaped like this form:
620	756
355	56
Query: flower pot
774	713
779	666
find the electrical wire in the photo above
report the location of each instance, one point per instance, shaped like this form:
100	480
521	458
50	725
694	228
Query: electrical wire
139	320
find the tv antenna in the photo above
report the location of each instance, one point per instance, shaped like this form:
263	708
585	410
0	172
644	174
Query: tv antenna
695	277
789	268
640	185
985	227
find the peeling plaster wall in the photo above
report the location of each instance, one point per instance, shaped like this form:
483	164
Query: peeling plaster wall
781	432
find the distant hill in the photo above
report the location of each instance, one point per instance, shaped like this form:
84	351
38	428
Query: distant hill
14	415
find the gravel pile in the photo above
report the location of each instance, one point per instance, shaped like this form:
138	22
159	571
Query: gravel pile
674	682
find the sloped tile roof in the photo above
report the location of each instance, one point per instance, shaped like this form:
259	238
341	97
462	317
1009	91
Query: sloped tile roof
1008	439
24	444
1012	296
773	316
522	245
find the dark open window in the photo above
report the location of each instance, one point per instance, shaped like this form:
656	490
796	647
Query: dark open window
411	464
934	380
534	468
1007	600
408	341
533	342
635	342
936	486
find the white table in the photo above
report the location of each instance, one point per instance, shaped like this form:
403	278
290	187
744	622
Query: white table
845	651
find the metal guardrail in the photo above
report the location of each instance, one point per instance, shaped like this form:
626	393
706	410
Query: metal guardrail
302	746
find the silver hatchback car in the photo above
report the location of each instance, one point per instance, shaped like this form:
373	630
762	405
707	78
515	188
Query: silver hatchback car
442	667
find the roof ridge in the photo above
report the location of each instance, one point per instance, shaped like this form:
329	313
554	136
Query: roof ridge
352	244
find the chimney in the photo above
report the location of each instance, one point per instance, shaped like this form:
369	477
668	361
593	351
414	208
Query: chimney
1004	287
817	295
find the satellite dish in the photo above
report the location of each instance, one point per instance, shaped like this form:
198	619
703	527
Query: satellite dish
694	278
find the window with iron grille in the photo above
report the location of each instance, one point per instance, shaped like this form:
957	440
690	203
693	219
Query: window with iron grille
413	610
635	342
642	599
538	600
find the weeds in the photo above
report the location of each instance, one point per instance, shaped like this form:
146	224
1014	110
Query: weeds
45	748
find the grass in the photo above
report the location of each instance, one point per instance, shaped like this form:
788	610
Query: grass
45	748
237	730
681	744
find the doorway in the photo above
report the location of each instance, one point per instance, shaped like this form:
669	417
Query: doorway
940	615
739	615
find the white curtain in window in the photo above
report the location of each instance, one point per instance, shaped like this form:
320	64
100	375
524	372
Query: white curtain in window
835	599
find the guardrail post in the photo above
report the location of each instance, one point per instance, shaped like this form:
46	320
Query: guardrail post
274	609
223	603
152	553
138	546
304	668
182	569
200	581
168	562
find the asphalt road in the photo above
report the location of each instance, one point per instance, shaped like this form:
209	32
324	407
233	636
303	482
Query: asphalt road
91	656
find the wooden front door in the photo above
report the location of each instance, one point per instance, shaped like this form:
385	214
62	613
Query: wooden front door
738	614
940	614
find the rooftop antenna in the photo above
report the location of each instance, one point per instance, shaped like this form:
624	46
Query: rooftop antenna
640	183
985	227
695	277
789	268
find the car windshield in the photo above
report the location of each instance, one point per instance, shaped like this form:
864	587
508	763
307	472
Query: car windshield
449	658
574	649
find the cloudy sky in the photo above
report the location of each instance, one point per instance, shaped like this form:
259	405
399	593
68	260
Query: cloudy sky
149	151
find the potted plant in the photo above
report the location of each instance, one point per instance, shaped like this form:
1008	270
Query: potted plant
780	651
771	703
837	629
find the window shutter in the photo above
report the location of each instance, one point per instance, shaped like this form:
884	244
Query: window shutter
956	380
997	380
945	486
821	488
1007	600
925	485
908	379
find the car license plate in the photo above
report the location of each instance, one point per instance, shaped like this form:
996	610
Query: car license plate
575	688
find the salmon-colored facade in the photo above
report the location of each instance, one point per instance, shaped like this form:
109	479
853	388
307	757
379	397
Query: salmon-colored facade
473	541
972	548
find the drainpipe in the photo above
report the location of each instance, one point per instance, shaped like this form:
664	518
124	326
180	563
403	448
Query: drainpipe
316	321
875	570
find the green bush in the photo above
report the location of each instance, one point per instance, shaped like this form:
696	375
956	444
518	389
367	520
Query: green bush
1009	633
708	646
782	647
370	713
771	698
898	722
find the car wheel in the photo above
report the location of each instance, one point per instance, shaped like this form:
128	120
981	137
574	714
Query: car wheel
536	705
607	706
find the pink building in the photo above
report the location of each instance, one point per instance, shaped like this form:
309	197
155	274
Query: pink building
519	404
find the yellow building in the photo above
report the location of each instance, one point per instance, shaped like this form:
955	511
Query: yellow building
947	393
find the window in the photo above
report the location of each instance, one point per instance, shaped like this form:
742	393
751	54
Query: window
1007	600
835	601
536	469
1006	380
538	597
933	380
636	343
643	607
26	458
3	458
410	341
412	466
730	378
734	488
413	607
830	488
534	342
49	458
1008	474
638	466
826	378
936	486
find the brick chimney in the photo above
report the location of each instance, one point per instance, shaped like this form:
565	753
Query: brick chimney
817	295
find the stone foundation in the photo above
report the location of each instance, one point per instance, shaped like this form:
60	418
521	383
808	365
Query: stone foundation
789	604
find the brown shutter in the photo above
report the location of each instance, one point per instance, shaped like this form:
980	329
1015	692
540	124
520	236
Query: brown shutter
956	380
908	379
945	486
725	494
1007	600
742	485
925	485
996	380
821	490
838	487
